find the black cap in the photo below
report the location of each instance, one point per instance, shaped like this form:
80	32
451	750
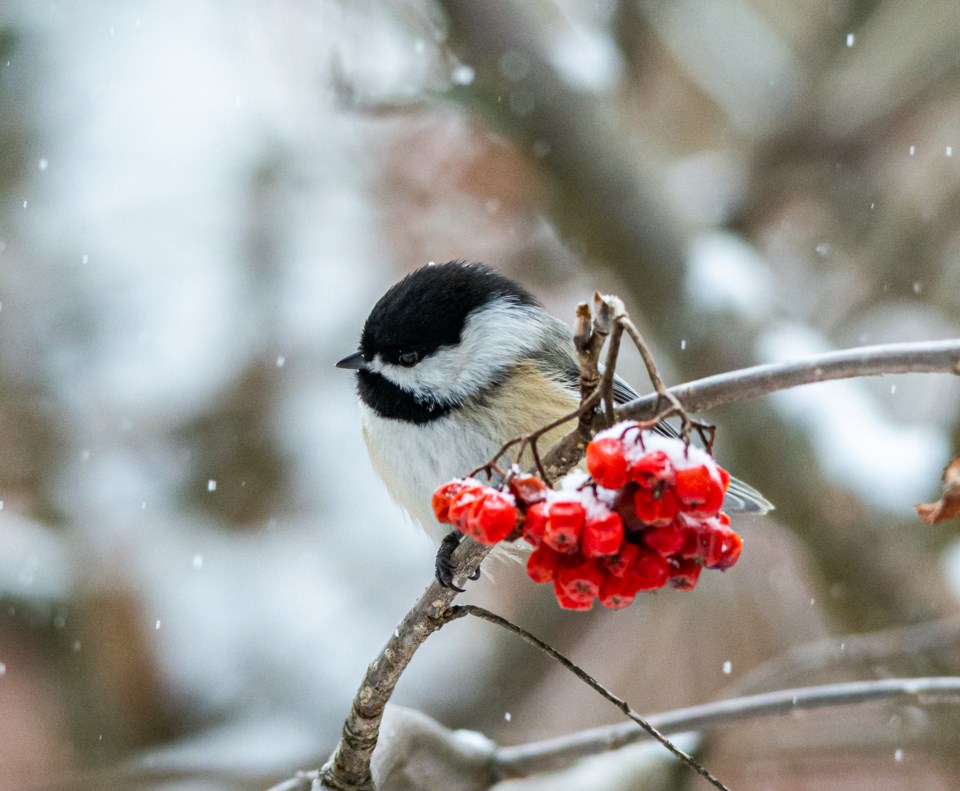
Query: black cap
429	307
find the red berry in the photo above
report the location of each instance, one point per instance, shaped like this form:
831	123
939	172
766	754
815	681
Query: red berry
570	602
724	546
491	519
699	491
542	564
607	462
534	523
617	592
463	501
564	525
527	490
602	535
652	570
652	469
691	549
656	507
442	497
685	574
618	565
578	578
665	540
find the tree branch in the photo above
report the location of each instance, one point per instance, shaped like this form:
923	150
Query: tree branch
349	768
552	754
761	380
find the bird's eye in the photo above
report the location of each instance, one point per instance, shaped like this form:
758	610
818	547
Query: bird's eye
408	359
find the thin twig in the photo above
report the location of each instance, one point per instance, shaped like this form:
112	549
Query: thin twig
531	439
549	754
458	611
587	342
591	332
655	379
704	430
610	368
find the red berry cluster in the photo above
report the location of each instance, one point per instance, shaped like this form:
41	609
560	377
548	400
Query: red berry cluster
485	514
649	516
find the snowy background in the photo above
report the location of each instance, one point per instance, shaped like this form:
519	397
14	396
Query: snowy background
199	203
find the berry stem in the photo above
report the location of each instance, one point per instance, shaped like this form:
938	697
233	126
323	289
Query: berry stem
615	305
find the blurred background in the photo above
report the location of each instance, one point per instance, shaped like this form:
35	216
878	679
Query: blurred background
199	203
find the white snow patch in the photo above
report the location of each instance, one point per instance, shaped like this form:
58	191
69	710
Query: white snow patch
587	60
727	274
681	456
889	465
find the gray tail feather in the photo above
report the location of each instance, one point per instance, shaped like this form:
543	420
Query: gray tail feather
744	499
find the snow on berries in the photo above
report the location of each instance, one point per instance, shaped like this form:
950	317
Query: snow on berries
647	515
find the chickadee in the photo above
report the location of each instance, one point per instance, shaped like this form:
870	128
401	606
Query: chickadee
454	360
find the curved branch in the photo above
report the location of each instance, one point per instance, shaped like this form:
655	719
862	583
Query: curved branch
554	753
349	768
760	380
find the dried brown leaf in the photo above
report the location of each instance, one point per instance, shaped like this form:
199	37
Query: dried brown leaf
948	506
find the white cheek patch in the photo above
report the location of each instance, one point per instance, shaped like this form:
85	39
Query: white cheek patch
494	338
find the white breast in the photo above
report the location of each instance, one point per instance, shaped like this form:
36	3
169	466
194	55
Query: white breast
413	459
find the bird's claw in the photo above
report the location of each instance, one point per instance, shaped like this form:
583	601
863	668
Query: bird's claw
444	567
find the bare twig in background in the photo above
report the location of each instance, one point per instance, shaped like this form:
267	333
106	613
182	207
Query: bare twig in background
507	762
552	753
850	651
596	686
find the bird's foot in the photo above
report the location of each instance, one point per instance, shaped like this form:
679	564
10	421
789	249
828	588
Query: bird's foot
444	563
444	566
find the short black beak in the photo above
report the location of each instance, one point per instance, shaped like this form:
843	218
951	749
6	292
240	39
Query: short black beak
353	362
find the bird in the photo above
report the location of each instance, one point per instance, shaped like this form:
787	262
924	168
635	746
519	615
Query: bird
454	360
